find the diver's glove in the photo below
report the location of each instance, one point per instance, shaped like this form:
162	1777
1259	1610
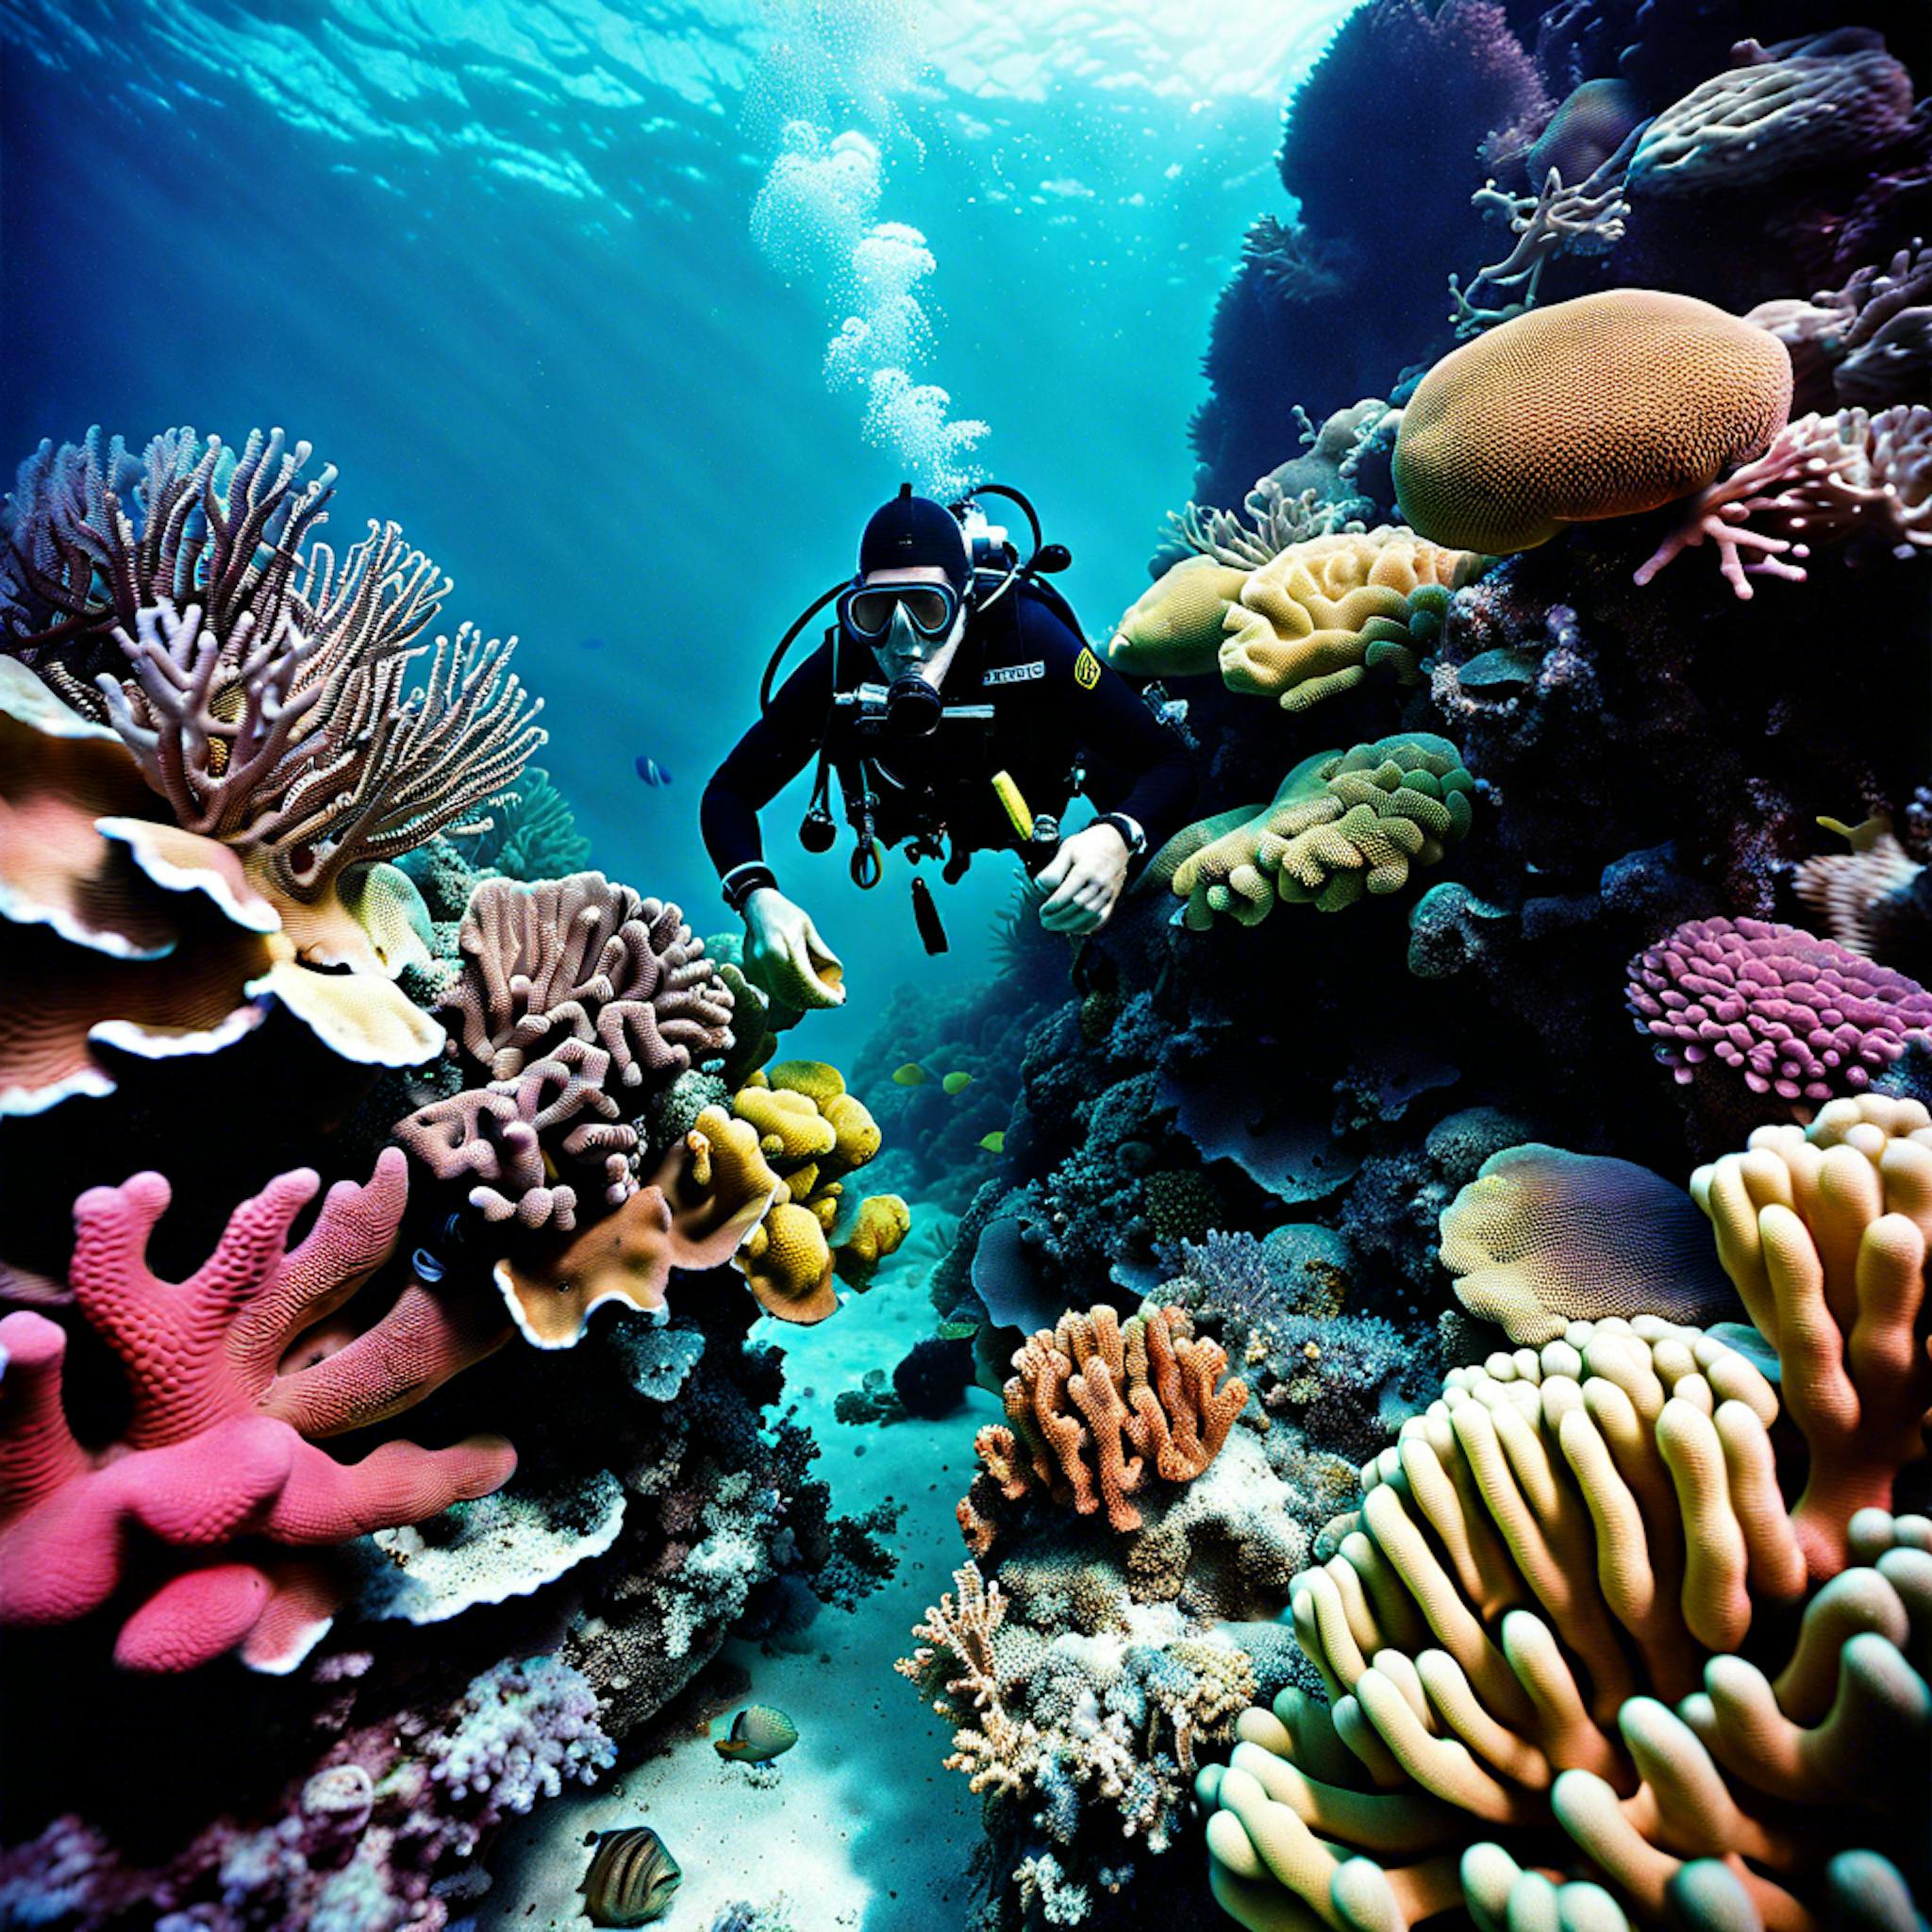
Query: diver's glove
784	955
1084	880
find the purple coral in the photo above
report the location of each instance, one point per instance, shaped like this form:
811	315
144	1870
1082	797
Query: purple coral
1797	1015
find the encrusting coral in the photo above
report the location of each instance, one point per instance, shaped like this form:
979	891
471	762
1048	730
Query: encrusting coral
1793	1014
1099	1409
1543	1236
1515	434
1537	1616
1342	823
218	1443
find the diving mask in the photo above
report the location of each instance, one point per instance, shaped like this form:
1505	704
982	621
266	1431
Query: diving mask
899	620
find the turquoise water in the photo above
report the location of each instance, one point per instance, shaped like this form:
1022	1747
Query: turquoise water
497	263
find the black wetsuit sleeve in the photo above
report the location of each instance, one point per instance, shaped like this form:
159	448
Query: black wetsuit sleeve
763	762
1136	765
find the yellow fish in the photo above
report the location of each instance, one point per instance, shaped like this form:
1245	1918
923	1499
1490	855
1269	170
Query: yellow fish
910	1074
995	1143
957	1083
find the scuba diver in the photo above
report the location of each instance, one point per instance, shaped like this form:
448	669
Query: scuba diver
960	707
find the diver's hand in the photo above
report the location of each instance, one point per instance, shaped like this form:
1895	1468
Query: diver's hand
1083	880
784	954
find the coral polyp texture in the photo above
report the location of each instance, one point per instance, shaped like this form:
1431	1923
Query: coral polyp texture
1788	1014
1100	1409
1342	824
1776	111
574	993
217	1459
1515	435
1543	1236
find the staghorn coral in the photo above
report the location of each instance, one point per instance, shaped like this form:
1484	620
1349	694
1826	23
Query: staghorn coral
1341	823
1793	1014
1146	1391
1515	434
1796	105
1824	480
224	1401
1539	1570
1555	220
1824	1231
1315	620
573	992
1543	1236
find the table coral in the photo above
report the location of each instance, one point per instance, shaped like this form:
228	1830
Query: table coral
1793	1015
1514	435
225	1393
1795	105
1341	823
1099	1409
1543	1236
1532	1622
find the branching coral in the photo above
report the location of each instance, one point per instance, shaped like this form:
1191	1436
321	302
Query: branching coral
1539	1570
1543	1236
1824	480
1099	1409
1342	824
217	1445
1555	220
1793	1014
1778	110
1315	620
1516	434
568	985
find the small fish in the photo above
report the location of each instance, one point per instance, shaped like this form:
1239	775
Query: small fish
650	770
632	1878
759	1734
910	1074
995	1143
957	1083
959	1331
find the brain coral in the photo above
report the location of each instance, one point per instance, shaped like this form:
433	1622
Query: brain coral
1342	823
1779	108
1517	433
1797	1015
1312	620
1543	1236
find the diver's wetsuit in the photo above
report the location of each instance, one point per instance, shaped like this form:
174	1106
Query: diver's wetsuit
1056	708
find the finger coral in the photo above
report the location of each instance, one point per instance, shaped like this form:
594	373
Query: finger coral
1530	1626
1867	345
1515	434
1543	1236
216	1449
574	991
1793	1014
1100	1408
1342	823
1823	1230
1774	111
1315	620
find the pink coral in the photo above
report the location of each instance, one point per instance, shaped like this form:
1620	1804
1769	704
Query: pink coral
1797	1015
229	1374
566	983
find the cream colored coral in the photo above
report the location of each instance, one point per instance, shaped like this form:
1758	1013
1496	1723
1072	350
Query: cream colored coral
1173	628
1310	622
1823	1230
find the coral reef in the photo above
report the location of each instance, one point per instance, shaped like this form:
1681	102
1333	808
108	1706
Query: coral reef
1514	435
531	832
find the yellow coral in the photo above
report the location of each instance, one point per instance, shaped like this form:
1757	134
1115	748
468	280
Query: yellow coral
789	1265
857	1136
1311	623
1173	629
1518	432
884	1221
790	1129
815	1079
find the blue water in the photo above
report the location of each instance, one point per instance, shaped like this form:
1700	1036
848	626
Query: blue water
495	261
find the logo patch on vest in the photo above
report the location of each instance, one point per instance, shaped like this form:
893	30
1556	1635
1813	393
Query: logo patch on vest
1086	669
1016	673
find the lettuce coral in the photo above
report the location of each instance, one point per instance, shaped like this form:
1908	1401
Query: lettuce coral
1515	434
1341	823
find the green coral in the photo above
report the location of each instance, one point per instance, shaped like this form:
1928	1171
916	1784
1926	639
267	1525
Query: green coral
532	834
1341	823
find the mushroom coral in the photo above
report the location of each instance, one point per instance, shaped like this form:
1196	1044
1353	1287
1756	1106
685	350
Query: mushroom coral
1515	434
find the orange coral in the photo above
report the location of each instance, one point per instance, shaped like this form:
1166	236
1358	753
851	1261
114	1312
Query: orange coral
1097	1407
1517	433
